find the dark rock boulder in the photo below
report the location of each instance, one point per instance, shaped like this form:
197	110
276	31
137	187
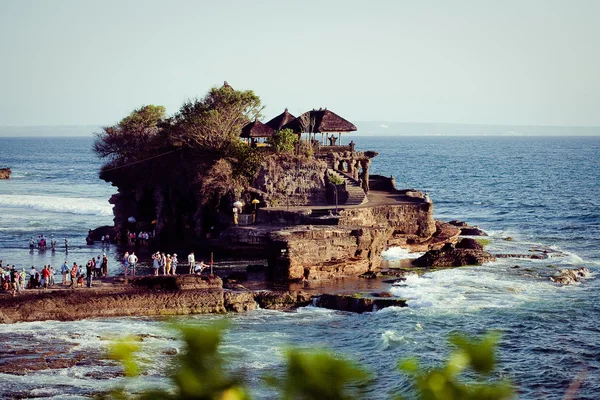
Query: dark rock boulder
472	231
471	244
282	300
356	304
453	258
5	173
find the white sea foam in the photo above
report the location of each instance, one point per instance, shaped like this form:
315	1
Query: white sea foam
467	289
398	253
57	204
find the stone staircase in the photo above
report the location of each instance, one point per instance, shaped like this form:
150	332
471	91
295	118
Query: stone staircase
356	195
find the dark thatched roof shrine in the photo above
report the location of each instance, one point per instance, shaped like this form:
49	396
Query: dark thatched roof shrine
256	129
279	121
320	121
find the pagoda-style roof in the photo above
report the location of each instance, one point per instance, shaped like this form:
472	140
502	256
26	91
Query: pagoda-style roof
256	129
320	121
279	121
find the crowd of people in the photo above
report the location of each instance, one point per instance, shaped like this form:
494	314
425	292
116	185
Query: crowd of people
14	281
42	243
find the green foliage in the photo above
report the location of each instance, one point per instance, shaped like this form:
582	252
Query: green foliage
214	122
319	375
133	137
283	141
201	373
335	179
483	242
445	383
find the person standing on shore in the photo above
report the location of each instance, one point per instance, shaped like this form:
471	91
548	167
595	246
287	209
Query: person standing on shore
174	263
104	265
168	265
64	270
15	280
89	270
51	276
125	263
132	259
156	262
191	262
73	275
45	276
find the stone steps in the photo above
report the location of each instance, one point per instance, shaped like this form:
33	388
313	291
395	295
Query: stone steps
356	195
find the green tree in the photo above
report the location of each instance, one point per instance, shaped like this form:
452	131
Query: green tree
133	137
214	122
283	141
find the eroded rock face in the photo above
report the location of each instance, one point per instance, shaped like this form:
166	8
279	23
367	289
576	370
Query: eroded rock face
5	173
453	257
571	276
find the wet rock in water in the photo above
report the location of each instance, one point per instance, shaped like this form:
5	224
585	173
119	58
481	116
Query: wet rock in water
570	276
5	173
468	243
458	223
369	275
282	300
356	304
508	239
453	258
516	255
382	294
472	231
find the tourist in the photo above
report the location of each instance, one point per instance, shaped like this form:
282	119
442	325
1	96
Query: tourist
64	270
31	243
45	276
66	244
32	278
22	276
191	262
199	268
73	275
98	266
156	262
15	280
125	263
168	263
132	259
51	277
89	271
104	265
163	261
52	242
174	262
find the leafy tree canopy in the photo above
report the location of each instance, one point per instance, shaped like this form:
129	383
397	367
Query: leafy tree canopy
133	136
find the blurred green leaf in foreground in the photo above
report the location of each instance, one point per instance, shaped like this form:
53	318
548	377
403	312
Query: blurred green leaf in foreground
200	373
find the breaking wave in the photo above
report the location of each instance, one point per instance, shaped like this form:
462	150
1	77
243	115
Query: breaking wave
56	204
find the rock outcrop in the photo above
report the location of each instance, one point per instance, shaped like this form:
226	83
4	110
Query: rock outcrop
571	276
356	304
449	256
5	173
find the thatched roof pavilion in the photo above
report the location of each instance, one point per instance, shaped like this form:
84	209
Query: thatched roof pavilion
320	121
279	121
256	129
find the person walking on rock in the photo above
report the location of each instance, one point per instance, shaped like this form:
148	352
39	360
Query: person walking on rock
64	270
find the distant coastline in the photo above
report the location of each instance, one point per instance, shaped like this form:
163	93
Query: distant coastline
365	128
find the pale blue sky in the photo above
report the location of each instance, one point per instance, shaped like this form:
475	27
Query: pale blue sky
531	62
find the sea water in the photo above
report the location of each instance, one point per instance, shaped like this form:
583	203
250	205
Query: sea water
541	192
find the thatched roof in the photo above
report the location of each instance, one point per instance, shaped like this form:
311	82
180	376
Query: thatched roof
320	121
256	129
279	121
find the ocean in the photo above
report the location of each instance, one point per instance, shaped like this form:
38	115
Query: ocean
543	192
